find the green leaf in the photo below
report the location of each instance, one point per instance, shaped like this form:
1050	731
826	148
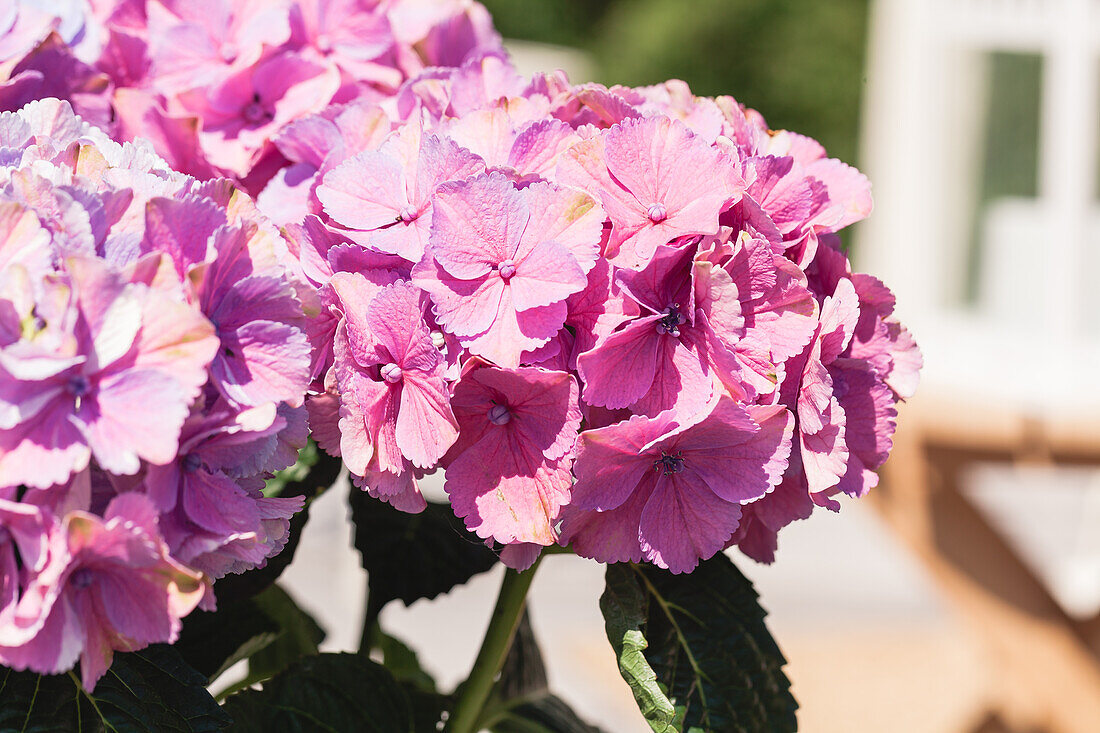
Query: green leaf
401	661
326	692
695	650
213	641
624	607
299	635
269	630
523	673
42	704
547	714
413	556
148	690
427	708
310	477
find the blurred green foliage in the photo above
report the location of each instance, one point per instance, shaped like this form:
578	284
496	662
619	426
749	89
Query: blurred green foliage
800	62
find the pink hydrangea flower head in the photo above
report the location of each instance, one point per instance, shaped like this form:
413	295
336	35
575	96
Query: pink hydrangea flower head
240	114
508	474
354	35
199	43
502	261
264	354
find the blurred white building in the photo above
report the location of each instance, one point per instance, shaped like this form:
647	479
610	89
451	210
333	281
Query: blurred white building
1001	291
980	132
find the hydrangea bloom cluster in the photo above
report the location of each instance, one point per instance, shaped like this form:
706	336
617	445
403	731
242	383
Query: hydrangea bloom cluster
153	368
620	319
209	82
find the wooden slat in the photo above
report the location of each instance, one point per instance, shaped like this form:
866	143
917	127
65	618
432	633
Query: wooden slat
1049	663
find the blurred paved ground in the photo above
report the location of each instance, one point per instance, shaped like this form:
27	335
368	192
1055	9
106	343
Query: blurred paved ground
863	632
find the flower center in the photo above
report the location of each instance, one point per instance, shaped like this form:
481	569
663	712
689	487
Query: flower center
228	52
506	270
191	462
499	415
670	322
254	112
657	213
669	464
82	578
391	373
409	213
438	339
79	386
323	44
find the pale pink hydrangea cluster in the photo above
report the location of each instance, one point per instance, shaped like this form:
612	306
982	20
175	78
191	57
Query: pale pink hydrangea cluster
153	368
209	82
620	319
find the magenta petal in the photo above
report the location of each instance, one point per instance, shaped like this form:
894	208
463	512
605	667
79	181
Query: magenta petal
216	503
545	275
610	463
681	381
621	367
45	450
477	225
684	522
568	217
181	228
364	192
513	333
502	498
609	536
263	361
464	307
740	454
824	453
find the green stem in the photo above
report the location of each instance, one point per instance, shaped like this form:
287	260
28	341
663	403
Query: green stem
498	640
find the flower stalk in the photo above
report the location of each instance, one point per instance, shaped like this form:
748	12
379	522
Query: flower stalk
494	649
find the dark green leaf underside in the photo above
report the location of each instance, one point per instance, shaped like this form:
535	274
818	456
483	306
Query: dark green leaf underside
413	556
695	649
148	690
326	692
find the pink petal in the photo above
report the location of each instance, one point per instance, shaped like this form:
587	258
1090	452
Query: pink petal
137	415
364	192
622	366
477	225
547	274
426	427
683	523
